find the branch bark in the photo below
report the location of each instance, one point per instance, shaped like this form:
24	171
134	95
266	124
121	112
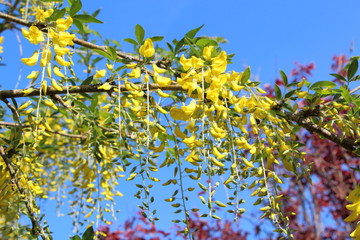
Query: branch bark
18	93
306	123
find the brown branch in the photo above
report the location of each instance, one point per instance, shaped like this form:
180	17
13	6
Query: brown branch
303	120
5	3
18	93
32	214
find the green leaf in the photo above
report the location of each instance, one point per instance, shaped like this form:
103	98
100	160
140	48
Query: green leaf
112	52
321	84
201	43
284	78
338	76
192	33
139	33
289	94
89	234
179	45
79	25
170	47
245	75
104	54
85	18
75	238
277	92
87	81
132	41
156	38
75	7
353	67
71	2
58	13
345	94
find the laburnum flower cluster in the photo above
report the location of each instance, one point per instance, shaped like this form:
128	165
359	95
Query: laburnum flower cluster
55	39
354	196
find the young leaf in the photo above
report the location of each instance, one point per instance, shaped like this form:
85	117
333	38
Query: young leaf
104	54
277	92
338	76
79	25
88	234
132	41
192	33
139	33
58	13
113	53
86	18
75	7
246	75
284	78
206	42
157	38
345	94
327	84
353	67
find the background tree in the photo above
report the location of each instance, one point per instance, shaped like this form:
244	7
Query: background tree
177	109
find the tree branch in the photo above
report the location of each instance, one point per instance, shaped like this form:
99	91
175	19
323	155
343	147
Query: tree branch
18	93
303	120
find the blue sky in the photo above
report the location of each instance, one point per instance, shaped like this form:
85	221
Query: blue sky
266	35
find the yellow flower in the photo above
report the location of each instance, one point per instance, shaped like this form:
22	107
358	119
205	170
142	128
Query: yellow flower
207	51
189	109
219	63
147	49
354	196
1	49
1	40
162	81
63	39
34	35
57	72
45	57
41	14
106	86
178	114
31	61
135	73
100	73
356	233
302	94
61	61
33	75
64	24
61	50
186	63
157	69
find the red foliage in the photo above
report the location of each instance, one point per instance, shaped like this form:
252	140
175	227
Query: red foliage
138	228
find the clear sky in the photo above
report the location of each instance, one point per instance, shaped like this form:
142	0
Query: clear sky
267	35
